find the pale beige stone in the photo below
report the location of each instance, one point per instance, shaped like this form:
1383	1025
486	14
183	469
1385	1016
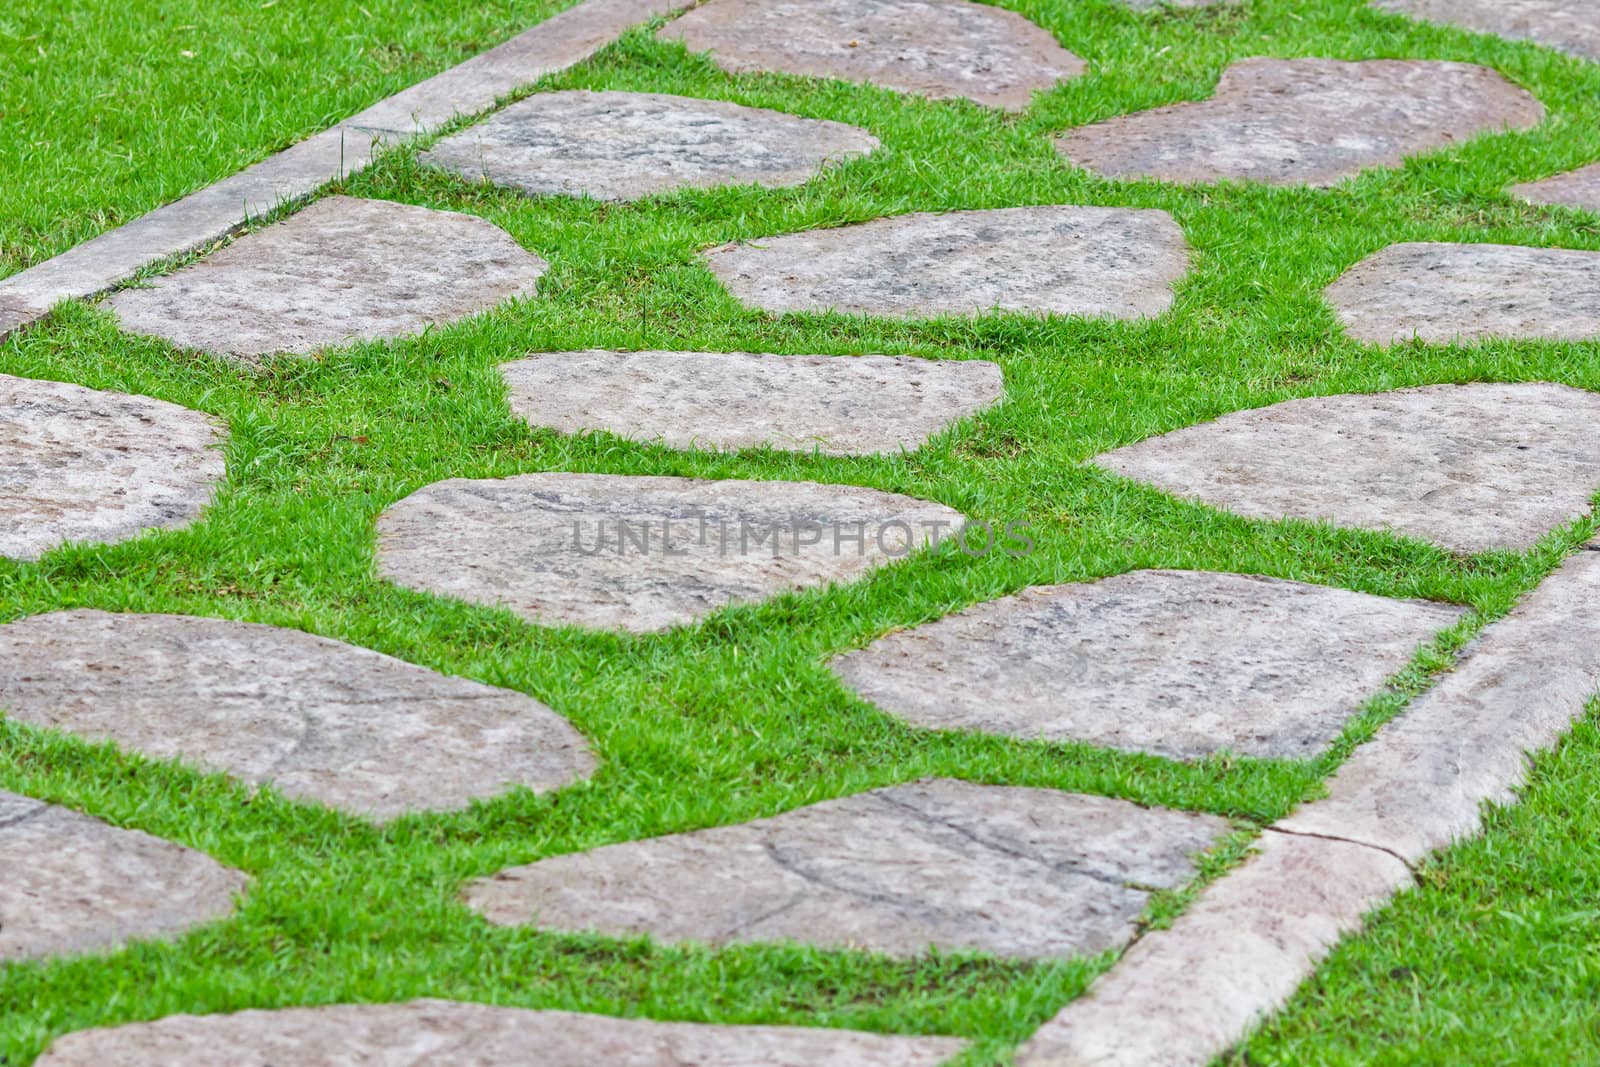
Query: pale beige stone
1570	25
1576	189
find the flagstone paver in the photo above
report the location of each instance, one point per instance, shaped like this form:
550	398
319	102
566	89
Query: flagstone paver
1019	872
1579	189
1570	25
1305	121
318	719
839	405
342	270
1116	262
1176	663
1471	467
935	48
84	465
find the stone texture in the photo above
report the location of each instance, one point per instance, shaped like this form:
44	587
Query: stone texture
317	719
1576	189
1570	25
342	270
1029	873
73	884
453	1034
838	405
85	465
1305	121
935	48
1176	663
1116	262
1471	467
642	553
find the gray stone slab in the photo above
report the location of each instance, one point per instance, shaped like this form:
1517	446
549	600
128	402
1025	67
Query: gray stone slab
84	465
1017	872
1113	262
342	270
838	405
1570	25
1576	189
644	553
1471	467
940	49
1175	663
73	884
317	719
1305	121
1460	293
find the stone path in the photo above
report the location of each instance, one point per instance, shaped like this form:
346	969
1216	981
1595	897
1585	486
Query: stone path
317	719
1310	121
934	48
1578	189
1115	262
1471	467
838	405
1028	873
1570	25
83	465
1176	663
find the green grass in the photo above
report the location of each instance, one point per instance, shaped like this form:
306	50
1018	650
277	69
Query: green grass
736	718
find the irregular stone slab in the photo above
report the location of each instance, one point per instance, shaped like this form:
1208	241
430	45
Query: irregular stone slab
85	465
1471	467
1444	293
622	146
1305	121
1578	189
342	270
74	884
1176	663
449	1033
1570	25
837	405
940	49
1115	262
642	553
317	719
1029	873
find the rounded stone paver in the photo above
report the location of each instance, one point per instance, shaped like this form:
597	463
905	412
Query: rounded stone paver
1305	121
1571	25
838	405
1114	262
941	49
621	146
317	719
85	465
1576	189
342	270
1017	872
642	553
1471	467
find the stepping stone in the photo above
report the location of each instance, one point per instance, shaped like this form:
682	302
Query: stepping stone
838	405
1460	293
448	1034
74	884
1577	189
84	465
614	551
1471	467
1015	872
622	146
1176	663
317	719
1305	121
342	270
941	49
1115	262
1571	25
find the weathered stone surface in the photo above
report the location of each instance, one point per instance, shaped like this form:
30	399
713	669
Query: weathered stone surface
1305	121
342	270
74	884
642	553
1176	663
1570	25
317	719
1030	873
1116	262
838	405
453	1034
1472	467
85	465
936	48
1579	189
